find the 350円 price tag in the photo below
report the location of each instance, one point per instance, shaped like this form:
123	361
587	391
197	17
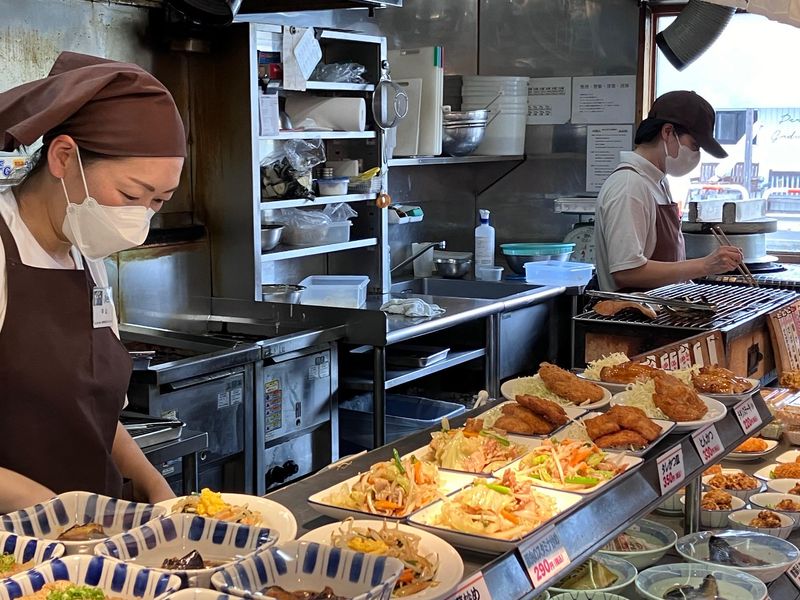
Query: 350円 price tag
747	415
671	472
708	443
544	556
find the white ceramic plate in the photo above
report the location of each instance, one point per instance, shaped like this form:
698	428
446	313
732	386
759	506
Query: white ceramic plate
748	456
425	454
666	427
731	399
716	412
789	456
449	483
425	519
494	413
622	459
451	567
508	389
273	515
764	473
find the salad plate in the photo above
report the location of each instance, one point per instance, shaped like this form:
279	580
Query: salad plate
534	386
450	567
578	431
585	468
358	495
477	517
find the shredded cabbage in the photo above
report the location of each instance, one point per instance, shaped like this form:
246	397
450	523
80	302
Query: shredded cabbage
640	395
534	386
685	375
594	367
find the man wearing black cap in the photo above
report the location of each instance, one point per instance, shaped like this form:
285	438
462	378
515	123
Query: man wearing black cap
638	239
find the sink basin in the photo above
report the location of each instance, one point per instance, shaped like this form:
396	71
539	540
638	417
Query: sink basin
462	288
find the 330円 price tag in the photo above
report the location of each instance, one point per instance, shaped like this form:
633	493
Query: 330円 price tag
747	415
708	443
671	472
544	556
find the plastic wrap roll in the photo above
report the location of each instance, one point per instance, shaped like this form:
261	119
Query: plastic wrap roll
342	114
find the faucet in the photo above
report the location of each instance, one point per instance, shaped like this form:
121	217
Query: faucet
440	245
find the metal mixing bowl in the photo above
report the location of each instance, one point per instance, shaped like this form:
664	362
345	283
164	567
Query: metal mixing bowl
282	292
270	235
462	140
461	116
452	268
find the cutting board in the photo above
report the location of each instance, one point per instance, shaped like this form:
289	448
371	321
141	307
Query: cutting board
408	128
425	64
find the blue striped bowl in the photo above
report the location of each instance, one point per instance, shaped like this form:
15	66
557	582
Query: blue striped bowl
298	566
177	535
28	549
50	519
114	578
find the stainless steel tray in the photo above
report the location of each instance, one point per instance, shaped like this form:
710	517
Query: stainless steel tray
410	355
149	431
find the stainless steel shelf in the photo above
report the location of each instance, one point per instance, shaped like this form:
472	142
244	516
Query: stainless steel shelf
605	514
287	252
450	160
340	87
324	135
318	201
395	377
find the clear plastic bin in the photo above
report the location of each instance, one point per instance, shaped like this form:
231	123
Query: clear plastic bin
338	232
554	272
346	291
404	415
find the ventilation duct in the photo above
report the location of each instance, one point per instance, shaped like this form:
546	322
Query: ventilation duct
782	11
696	28
207	12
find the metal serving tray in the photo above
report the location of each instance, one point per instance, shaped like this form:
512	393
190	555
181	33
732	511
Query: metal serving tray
410	355
149	431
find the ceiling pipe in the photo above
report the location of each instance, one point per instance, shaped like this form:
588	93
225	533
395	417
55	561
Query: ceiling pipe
693	32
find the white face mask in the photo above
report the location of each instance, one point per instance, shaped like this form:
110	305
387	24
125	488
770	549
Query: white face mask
98	230
684	163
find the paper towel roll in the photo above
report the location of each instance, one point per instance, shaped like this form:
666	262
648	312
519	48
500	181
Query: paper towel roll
344	114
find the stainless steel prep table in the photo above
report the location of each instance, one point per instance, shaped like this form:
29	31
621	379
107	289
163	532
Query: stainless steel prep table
367	325
582	530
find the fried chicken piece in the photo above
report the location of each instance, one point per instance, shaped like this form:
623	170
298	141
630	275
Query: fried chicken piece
734	481
601	425
715	499
766	519
518	419
713	470
546	409
678	401
717	380
753	444
631	417
790	379
787	471
795	490
568	385
788	505
628	372
608	308
473	425
622	439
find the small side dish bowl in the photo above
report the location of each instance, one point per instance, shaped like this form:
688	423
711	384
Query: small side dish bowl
740	519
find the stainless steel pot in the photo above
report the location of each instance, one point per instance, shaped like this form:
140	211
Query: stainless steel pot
270	235
452	268
282	292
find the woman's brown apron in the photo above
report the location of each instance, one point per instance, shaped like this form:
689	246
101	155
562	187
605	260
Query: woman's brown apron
62	382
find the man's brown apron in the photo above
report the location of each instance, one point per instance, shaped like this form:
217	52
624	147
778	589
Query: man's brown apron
62	382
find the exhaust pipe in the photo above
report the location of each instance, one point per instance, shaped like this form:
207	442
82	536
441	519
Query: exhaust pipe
696	28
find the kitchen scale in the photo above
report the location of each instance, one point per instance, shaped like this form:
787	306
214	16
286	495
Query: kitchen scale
582	232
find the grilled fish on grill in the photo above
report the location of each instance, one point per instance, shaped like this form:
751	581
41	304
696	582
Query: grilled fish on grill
609	308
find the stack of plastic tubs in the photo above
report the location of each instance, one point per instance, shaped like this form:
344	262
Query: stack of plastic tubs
505	134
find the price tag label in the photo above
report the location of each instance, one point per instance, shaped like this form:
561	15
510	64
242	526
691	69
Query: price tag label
670	470
707	442
544	556
747	414
472	588
794	575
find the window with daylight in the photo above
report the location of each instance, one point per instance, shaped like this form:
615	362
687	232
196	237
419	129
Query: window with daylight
749	77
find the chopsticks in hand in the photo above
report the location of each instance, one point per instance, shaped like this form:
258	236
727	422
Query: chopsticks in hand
741	267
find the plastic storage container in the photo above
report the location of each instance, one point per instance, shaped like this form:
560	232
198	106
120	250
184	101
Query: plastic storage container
404	415
310	235
333	186
555	272
337	232
346	291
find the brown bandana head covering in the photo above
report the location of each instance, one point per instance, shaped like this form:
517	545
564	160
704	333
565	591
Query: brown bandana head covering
107	107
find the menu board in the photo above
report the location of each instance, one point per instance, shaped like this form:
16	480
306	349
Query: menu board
784	328
699	350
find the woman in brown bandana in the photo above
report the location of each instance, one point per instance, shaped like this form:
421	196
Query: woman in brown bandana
113	151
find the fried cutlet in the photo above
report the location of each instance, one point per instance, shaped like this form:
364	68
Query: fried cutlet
678	401
628	372
621	439
568	386
635	419
546	409
601	425
518	419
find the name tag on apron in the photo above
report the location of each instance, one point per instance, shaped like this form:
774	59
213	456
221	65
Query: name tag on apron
102	307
